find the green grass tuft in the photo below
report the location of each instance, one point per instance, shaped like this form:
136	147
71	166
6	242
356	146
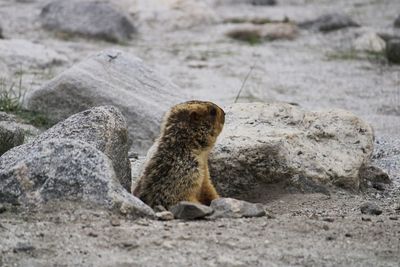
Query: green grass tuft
356	55
12	95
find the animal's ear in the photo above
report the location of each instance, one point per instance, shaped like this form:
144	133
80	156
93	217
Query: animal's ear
194	116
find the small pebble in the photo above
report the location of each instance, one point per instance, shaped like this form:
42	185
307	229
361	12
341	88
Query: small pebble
2	208
393	218
129	245
23	247
365	219
348	235
370	208
142	222
328	219
189	211
185	237
92	234
165	215
330	238
115	221
379	186
40	235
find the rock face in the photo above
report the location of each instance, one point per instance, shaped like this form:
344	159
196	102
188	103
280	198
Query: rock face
271	143
233	208
92	19
330	22
115	78
24	54
393	51
189	211
104	128
370	42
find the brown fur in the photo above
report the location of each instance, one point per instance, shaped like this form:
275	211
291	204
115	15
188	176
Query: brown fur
178	168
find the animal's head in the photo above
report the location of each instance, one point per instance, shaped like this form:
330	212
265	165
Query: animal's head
199	121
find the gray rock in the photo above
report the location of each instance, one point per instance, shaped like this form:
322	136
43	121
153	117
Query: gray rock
4	116
92	19
1	32
111	77
10	136
263	2
104	128
10	121
270	143
189	211
374	174
159	208
370	42
64	169
24	54
299	183
393	51
330	22
397	22
234	208
250	2
23	247
165	215
266	32
370	209
3	208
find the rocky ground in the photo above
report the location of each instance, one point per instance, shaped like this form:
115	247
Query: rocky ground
187	42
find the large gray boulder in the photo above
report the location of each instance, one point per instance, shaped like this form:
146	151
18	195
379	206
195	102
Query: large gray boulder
272	143
63	169
103	127
94	19
111	77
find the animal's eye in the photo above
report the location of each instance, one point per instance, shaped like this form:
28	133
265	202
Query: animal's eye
213	112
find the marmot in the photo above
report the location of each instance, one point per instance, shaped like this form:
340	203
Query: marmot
177	164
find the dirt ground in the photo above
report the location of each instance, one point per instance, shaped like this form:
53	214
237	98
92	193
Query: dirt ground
301	230
316	71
